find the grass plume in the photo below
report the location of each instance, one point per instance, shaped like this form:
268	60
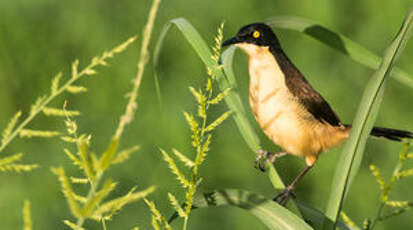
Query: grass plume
396	207
92	206
132	105
27	219
16	128
202	129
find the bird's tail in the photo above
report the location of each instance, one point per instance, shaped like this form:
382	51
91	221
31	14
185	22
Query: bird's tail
390	134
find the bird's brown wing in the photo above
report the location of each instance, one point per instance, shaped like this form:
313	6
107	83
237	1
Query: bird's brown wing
313	101
303	91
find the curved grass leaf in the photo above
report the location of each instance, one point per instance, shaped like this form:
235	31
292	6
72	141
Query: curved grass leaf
273	215
316	218
226	58
363	123
312	216
225	80
338	42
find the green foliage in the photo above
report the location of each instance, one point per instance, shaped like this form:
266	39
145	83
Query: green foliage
74	89
189	163
40	105
201	137
270	213
363	123
92	205
396	207
55	83
72	225
27	219
68	191
29	133
9	164
174	169
110	208
59	112
10	127
157	217
132	105
176	205
348	221
124	155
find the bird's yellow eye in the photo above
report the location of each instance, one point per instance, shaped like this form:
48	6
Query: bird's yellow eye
256	34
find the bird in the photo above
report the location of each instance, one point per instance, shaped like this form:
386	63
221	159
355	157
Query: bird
287	108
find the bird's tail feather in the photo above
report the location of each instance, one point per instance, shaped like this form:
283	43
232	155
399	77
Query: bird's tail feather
390	134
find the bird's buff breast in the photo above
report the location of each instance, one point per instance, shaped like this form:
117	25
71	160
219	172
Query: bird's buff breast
270	101
280	115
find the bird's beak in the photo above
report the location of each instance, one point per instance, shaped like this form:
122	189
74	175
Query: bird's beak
230	41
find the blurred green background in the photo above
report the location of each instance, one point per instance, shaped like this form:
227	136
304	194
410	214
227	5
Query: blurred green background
40	38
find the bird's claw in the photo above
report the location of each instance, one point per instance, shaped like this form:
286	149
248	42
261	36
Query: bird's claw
264	157
283	197
261	160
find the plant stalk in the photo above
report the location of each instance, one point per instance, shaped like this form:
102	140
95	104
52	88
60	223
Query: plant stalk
397	168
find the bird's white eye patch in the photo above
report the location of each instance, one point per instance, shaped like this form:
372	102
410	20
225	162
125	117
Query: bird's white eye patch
256	34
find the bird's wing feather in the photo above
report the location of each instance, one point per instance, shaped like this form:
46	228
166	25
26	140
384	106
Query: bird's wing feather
314	102
302	90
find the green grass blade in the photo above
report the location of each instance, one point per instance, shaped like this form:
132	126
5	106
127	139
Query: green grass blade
317	218
313	216
226	58
235	103
338	42
274	216
156	53
366	115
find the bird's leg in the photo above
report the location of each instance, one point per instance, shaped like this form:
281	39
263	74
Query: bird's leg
282	198
268	157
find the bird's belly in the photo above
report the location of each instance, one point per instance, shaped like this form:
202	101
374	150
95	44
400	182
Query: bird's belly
288	125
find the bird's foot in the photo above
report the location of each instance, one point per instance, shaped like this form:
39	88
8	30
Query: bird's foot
264	157
283	197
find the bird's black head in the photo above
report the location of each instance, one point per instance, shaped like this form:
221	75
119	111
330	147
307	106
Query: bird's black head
257	33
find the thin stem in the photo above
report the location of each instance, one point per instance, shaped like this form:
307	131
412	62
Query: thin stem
103	224
73	79
200	148
91	193
185	223
396	212
132	104
143	59
378	214
41	107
